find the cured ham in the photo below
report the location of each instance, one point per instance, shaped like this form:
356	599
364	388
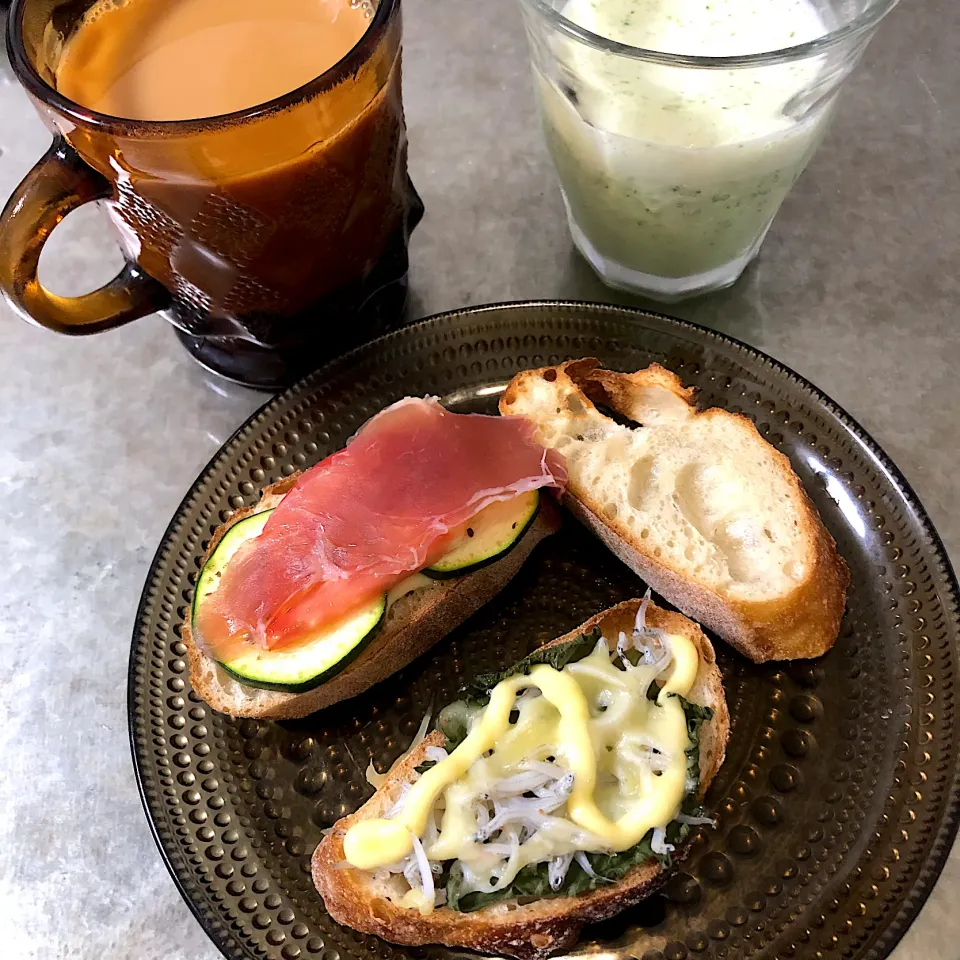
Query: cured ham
365	518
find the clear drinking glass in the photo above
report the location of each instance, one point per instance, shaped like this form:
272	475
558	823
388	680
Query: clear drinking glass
673	166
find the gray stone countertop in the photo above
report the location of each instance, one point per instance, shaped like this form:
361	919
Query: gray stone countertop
856	288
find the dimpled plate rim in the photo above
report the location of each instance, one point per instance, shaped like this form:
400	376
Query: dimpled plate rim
215	909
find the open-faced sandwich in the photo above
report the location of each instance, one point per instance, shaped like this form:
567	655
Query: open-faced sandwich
697	503
557	792
342	575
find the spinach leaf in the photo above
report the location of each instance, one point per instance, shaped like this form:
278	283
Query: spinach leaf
696	714
530	881
453	722
454	881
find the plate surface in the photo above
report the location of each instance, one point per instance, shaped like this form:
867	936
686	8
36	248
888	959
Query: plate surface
838	801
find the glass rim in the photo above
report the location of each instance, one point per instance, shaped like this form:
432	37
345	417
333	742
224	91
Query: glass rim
29	76
865	21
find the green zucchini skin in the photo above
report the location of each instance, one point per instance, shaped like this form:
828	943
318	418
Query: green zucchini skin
501	548
303	652
230	542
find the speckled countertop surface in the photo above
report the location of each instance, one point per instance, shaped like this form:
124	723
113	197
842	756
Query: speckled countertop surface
856	288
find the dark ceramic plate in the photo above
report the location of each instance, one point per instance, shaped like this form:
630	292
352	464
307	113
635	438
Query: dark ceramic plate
838	801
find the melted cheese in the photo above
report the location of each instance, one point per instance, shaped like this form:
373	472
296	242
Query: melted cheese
595	721
684	667
415	900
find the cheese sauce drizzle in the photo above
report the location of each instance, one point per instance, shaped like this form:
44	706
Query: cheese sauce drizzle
595	721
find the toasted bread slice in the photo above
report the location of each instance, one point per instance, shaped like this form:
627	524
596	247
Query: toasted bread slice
697	503
414	623
529	930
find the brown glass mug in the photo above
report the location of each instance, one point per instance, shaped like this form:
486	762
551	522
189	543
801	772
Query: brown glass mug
272	238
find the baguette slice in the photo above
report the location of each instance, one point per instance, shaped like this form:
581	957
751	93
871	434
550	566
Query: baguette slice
414	623
696	503
530	930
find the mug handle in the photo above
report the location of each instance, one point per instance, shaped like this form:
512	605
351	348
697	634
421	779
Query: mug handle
59	183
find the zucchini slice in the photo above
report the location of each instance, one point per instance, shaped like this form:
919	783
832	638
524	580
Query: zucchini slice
312	662
491	534
307	664
230	543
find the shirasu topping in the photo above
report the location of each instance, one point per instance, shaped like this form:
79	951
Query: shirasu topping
530	801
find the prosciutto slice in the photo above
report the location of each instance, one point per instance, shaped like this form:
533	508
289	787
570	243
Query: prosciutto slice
365	518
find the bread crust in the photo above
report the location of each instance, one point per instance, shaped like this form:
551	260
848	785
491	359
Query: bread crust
801	623
530	931
414	624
